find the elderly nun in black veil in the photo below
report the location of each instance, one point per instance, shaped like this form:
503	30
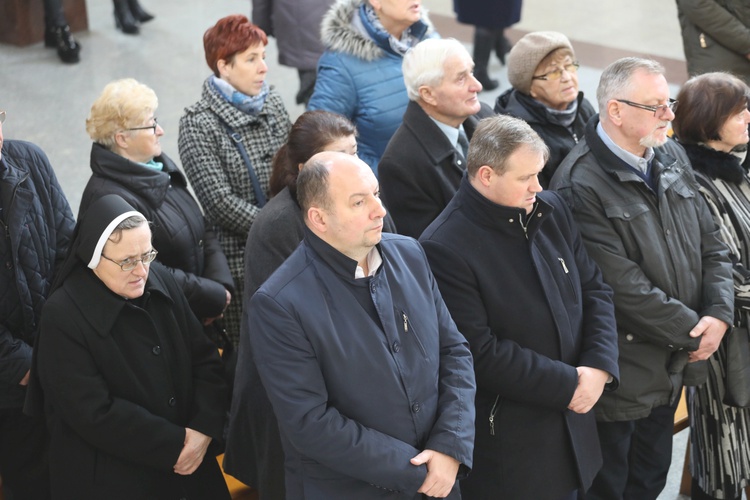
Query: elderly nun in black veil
133	390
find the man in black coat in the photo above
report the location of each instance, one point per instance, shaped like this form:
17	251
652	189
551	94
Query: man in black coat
426	157
37	225
514	273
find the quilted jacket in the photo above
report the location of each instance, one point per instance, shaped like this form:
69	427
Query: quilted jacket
37	226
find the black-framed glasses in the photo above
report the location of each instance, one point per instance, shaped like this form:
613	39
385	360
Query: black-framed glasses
659	111
156	124
2	116
556	74
130	264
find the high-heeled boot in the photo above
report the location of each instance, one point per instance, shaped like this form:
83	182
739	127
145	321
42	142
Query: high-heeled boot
138	13
124	19
60	38
502	45
484	41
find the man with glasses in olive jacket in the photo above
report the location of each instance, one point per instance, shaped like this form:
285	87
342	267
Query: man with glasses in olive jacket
634	197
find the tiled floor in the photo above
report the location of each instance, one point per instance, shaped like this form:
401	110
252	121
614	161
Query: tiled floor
47	102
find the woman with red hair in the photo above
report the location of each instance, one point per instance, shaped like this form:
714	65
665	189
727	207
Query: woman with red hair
228	139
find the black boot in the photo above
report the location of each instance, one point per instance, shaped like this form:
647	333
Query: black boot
138	13
124	19
502	46
59	37
484	41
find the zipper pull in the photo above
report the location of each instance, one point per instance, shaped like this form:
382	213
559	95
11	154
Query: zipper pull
406	322
702	39
562	261
492	425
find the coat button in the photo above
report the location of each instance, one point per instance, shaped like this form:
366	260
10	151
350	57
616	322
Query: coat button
172	401
415	407
156	350
626	215
629	336
396	346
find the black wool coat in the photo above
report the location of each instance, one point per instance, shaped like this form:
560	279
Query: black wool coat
533	306
122	379
419	172
185	241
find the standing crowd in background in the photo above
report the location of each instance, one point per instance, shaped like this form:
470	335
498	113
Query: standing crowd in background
406	293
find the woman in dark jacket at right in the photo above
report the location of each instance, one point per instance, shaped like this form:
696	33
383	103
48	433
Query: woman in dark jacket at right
711	122
543	70
127	160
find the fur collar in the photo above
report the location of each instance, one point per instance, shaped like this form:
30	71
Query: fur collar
715	164
338	35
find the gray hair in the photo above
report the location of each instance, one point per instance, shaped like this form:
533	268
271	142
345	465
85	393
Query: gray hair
132	222
497	138
425	63
616	78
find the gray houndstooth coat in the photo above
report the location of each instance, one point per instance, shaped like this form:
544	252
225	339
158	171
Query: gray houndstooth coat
220	178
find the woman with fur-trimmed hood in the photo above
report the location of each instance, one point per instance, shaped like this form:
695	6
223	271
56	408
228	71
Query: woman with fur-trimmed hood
359	75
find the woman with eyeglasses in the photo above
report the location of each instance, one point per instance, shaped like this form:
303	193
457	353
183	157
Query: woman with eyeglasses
132	390
543	70
127	160
711	123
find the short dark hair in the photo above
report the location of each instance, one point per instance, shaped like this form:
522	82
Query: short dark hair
312	184
705	103
311	132
498	137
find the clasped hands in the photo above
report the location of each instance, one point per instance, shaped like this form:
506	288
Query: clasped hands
192	452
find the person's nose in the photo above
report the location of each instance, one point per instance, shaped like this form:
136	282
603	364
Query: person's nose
263	67
746	115
378	211
536	186
475	85
159	130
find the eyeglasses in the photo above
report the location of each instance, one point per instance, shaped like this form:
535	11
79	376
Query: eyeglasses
659	111
2	116
130	264
556	74
156	124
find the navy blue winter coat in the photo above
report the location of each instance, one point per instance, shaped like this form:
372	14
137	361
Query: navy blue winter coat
357	396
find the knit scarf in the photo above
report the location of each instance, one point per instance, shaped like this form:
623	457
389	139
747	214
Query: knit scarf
249	104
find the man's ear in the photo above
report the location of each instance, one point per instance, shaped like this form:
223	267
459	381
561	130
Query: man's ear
613	112
316	217
426	95
484	175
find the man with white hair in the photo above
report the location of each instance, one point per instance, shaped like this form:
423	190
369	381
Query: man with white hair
633	194
425	159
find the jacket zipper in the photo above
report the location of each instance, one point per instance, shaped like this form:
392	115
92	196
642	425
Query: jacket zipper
414	334
493	411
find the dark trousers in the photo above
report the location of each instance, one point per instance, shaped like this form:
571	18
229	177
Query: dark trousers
53	14
637	455
23	456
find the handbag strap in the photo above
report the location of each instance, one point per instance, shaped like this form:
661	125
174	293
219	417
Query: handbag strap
260	197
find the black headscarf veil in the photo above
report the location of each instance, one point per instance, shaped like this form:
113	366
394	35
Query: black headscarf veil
89	237
91	234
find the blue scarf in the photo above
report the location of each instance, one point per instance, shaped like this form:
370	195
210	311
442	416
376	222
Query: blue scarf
251	105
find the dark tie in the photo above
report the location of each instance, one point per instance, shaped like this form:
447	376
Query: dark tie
462	148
